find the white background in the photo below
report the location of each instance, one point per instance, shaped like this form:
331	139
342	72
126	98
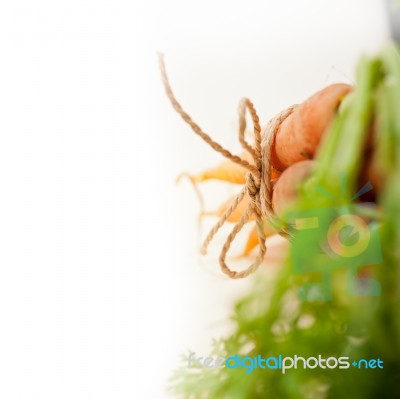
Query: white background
101	285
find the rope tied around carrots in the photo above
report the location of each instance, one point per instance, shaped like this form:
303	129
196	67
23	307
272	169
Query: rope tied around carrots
258	185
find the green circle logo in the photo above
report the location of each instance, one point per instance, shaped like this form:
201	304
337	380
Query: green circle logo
348	236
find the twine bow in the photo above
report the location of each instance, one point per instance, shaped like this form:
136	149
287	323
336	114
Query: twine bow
258	179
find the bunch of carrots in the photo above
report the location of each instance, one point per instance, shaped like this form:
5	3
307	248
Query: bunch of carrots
292	159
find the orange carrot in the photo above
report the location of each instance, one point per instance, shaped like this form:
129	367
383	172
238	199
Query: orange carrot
286	188
251	243
300	133
252	240
236	214
227	171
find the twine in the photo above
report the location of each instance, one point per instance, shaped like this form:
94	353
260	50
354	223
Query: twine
258	179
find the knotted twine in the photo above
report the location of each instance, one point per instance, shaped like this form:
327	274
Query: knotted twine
258	184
